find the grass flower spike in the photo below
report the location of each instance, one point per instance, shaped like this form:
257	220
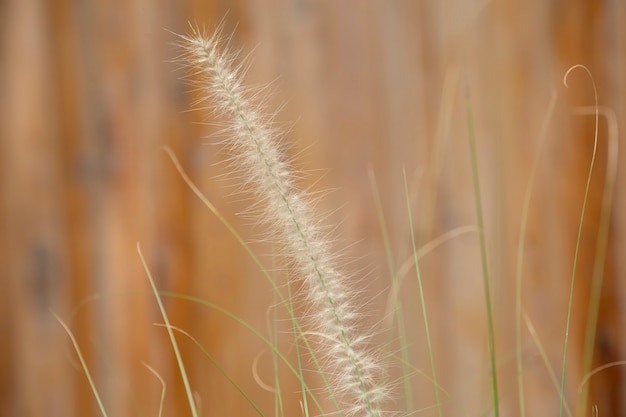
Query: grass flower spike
353	372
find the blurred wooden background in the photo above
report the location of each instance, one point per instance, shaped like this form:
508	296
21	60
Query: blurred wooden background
90	93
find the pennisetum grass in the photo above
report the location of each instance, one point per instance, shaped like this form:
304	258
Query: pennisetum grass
354	372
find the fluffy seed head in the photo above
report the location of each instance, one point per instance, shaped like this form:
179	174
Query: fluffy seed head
353	371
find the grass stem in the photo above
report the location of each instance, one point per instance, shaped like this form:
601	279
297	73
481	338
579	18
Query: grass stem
483	255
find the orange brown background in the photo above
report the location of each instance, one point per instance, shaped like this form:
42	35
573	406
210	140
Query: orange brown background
91	91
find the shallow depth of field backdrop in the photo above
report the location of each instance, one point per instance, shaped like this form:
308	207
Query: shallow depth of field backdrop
89	94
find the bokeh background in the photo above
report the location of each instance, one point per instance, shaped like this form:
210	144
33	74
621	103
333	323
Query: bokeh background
91	90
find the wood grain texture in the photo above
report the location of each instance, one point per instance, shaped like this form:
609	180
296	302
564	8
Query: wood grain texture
91	92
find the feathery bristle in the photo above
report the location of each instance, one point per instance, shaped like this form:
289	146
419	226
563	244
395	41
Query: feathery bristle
354	373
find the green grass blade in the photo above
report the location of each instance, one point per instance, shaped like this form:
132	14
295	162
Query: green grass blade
299	360
545	359
483	255
82	362
395	289
422	298
602	241
578	239
273	331
179	359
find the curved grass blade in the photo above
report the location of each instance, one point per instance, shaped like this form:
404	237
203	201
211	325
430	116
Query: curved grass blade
82	362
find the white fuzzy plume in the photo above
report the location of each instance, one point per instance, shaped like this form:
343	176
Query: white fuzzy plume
354	373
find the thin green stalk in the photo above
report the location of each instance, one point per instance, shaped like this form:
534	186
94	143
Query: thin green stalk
273	332
483	255
395	289
298	358
545	359
179	359
578	238
601	245
422	298
82	363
